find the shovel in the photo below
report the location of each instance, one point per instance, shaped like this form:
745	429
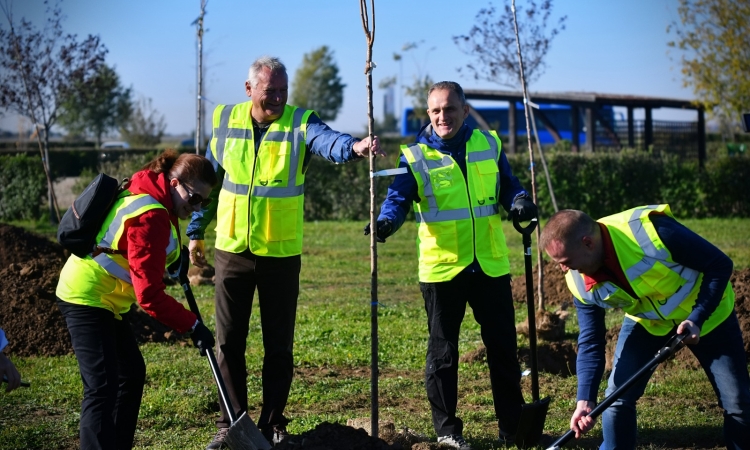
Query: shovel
243	433
670	348
533	415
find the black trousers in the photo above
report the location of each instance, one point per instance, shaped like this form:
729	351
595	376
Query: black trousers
492	303
113	374
277	281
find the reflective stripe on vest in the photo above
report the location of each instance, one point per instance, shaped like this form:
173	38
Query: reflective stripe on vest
259	185
116	226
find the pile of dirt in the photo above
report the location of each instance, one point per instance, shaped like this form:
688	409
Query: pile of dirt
556	291
331	436
30	266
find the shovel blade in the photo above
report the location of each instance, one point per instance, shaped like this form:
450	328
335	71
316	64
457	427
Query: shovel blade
245	435
531	425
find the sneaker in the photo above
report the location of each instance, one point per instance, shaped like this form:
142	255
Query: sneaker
218	441
276	434
454	441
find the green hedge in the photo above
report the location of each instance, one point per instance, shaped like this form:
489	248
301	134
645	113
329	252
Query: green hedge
598	183
23	187
606	183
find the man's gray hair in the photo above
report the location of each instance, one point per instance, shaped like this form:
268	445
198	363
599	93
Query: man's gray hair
448	86
273	63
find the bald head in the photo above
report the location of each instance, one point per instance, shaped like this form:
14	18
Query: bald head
573	240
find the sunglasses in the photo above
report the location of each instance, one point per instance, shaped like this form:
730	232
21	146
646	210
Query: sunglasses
194	199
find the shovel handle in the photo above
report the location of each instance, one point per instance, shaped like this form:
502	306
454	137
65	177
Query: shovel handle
180	272
672	346
528	229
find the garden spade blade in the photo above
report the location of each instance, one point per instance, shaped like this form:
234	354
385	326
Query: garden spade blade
533	415
243	434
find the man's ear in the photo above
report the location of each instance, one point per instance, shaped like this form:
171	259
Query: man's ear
588	242
466	111
248	88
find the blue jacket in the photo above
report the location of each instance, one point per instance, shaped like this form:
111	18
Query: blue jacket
687	248
321	140
403	192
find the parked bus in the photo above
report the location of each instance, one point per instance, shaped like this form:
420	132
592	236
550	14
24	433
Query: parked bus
497	118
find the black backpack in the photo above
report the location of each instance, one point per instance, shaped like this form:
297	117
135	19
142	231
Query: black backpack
82	222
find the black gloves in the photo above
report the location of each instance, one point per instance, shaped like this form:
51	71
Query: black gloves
523	208
385	228
202	338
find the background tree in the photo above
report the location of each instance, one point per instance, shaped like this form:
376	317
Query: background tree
317	84
145	127
98	105
713	37
492	43
41	67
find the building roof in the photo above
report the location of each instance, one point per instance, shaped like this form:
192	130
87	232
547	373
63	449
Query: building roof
583	99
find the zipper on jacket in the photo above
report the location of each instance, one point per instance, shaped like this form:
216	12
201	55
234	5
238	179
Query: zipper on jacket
252	184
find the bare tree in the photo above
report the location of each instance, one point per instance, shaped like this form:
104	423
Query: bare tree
492	42
510	51
40	67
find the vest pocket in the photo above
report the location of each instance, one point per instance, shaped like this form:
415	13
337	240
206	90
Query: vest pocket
439	242
275	167
282	219
226	215
499	247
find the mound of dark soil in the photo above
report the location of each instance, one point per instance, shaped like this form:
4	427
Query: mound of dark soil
556	291
558	358
30	266
331	436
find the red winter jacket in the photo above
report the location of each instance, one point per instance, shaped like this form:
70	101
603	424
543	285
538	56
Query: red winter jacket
144	240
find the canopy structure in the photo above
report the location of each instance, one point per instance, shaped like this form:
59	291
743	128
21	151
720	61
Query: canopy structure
587	106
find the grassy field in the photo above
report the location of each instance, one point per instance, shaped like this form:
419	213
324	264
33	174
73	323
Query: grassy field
332	360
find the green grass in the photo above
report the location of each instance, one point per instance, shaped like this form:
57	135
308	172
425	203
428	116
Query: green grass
332	360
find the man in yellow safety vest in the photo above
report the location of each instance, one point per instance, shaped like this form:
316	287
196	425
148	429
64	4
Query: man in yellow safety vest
667	279
457	179
261	149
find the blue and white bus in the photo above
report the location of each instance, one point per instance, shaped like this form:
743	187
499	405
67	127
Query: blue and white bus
497	118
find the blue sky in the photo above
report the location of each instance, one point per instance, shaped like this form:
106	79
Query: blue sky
608	47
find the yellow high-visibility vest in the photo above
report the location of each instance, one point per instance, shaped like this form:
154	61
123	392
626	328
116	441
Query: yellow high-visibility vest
665	290
262	195
457	219
104	281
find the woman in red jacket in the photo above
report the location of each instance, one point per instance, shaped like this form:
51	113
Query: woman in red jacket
95	293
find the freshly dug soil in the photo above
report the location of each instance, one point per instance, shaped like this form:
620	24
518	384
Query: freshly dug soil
30	266
331	436
556	291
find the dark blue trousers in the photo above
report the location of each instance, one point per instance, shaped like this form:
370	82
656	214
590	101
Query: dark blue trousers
113	374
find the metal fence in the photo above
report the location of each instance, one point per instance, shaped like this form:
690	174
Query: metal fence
679	138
